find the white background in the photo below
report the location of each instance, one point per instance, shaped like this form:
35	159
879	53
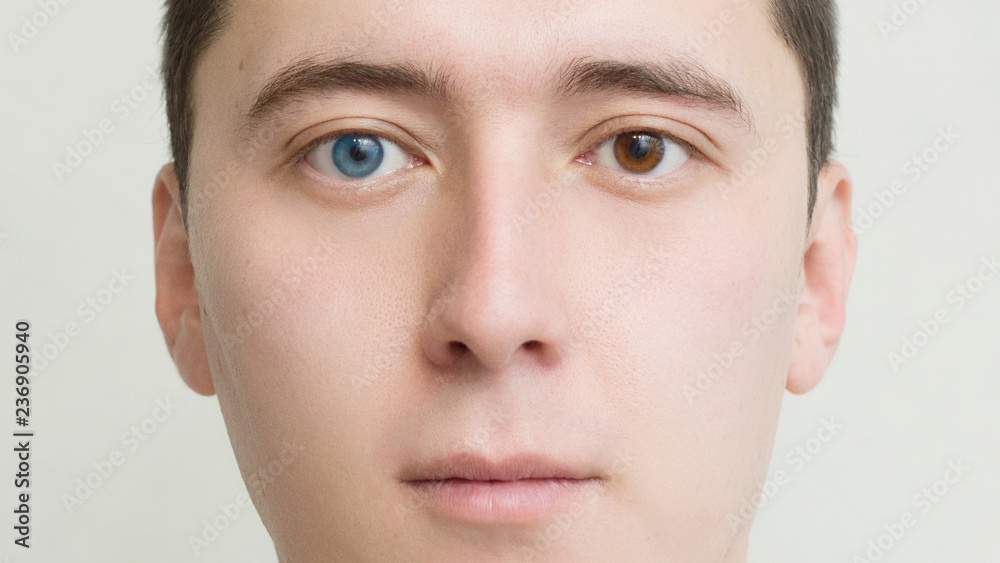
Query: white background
60	241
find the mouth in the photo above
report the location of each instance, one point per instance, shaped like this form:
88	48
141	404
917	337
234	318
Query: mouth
522	488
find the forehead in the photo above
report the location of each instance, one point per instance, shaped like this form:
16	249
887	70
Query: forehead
498	52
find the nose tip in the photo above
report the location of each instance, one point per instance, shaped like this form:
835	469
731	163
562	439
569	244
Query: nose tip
500	304
500	301
494	319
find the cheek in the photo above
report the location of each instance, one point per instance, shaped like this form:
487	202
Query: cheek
302	317
725	296
717	328
268	303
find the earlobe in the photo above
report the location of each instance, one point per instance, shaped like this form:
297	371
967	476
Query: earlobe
177	307
828	266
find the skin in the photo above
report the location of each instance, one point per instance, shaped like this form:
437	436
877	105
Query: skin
432	312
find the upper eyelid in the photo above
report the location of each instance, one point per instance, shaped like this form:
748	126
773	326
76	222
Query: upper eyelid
300	154
687	146
327	137
308	147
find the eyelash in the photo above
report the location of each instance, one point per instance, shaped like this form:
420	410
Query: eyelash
299	156
690	148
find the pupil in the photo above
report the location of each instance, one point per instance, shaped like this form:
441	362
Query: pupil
639	147
358	153
639	152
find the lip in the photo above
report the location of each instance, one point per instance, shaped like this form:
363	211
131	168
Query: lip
523	488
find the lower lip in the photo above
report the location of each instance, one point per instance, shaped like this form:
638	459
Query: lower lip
523	500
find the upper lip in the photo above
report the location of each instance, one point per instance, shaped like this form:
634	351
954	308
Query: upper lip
476	467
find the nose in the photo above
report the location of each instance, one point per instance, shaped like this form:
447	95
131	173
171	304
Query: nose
499	305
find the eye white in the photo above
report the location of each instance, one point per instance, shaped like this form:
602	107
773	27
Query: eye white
341	166
674	156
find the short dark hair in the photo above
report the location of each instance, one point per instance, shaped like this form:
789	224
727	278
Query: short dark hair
189	27
808	28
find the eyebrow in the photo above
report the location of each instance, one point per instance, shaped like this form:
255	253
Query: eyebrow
673	77
314	77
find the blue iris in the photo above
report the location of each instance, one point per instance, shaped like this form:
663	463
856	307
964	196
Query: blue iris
358	155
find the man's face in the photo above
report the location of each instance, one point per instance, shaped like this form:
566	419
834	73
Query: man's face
589	272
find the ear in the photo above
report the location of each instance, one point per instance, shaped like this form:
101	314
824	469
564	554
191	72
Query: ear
828	265
177	306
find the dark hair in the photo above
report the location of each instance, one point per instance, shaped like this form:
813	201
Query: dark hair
189	27
808	27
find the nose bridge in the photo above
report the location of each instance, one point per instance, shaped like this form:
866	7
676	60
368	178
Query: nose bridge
498	300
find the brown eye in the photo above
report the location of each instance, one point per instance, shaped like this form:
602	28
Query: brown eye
644	152
638	151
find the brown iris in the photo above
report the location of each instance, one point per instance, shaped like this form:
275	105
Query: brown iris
639	151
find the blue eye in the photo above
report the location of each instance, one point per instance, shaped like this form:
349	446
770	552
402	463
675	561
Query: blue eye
355	156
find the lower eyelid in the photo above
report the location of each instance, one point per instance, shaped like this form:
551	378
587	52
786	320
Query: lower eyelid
415	159
690	151
406	157
331	137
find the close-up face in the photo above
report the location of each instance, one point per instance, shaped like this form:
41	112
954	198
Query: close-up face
501	281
